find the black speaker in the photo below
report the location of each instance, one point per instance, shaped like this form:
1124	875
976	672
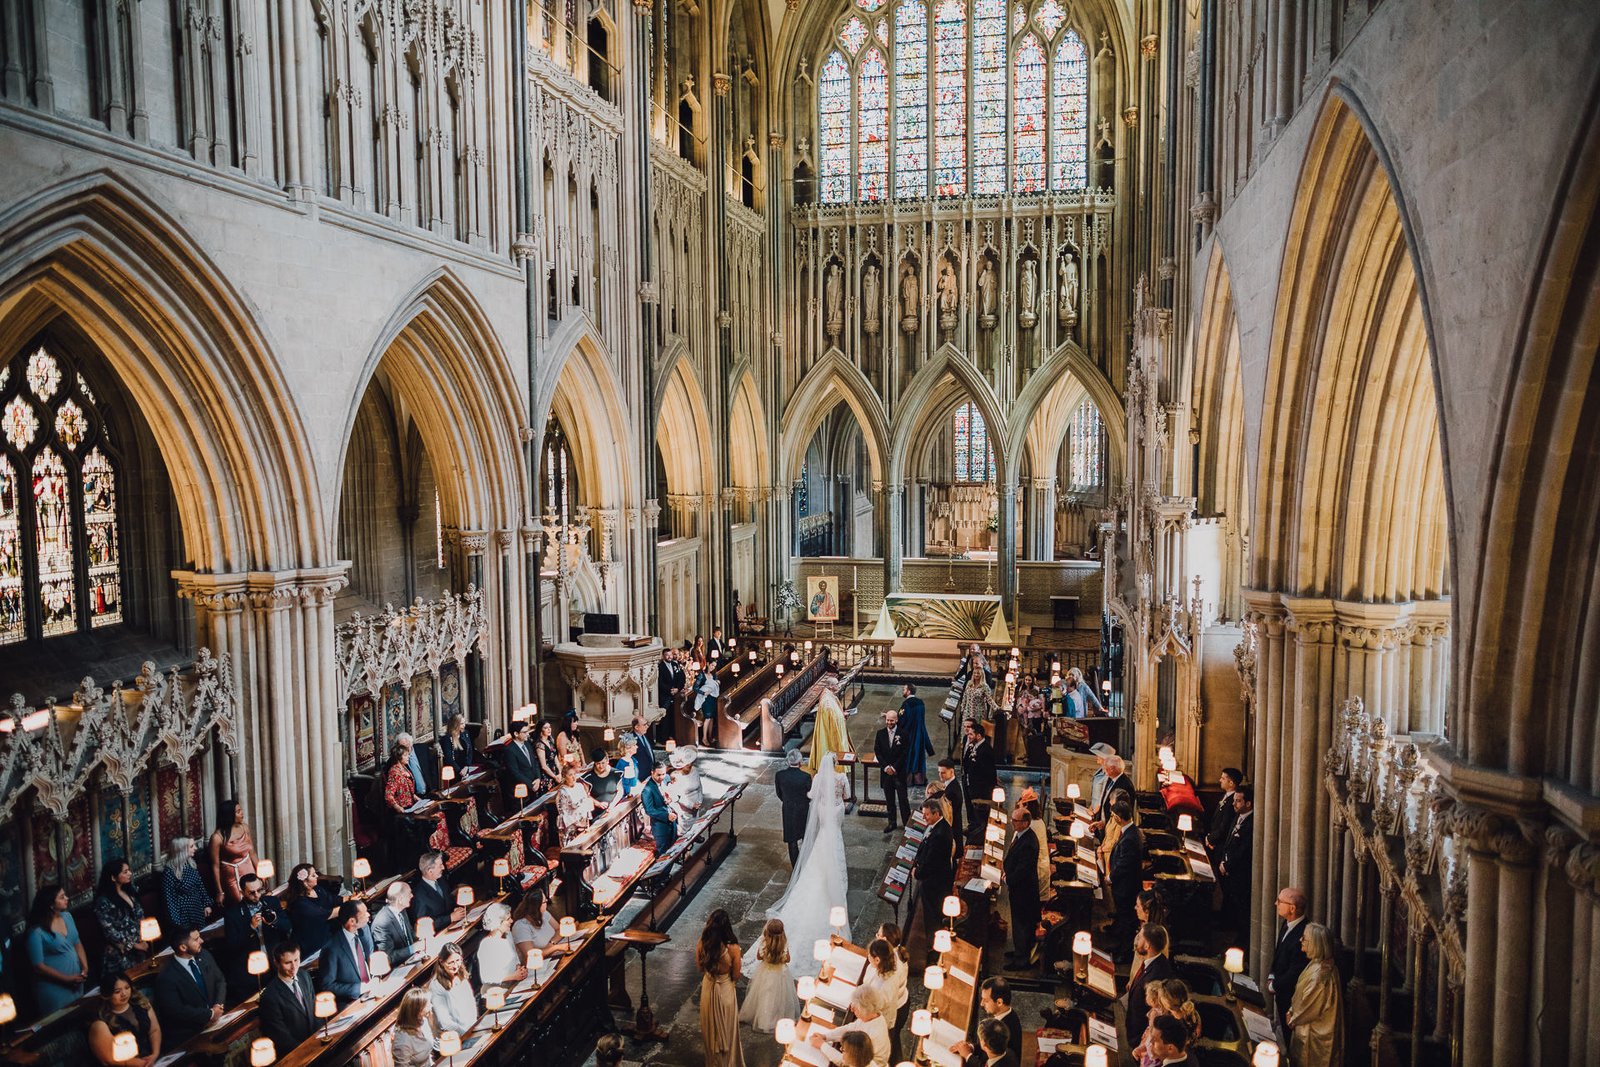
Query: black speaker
597	623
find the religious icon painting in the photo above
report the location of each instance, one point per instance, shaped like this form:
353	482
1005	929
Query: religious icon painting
80	864
111	824
422	724
361	718
13	886
822	598
394	714
141	838
449	691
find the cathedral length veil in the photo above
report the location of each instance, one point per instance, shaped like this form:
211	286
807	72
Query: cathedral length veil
821	878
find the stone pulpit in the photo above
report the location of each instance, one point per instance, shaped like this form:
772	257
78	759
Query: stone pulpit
612	677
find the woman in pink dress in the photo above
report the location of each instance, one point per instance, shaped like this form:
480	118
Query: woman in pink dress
233	854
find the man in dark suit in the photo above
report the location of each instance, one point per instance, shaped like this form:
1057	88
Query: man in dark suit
392	932
935	869
1289	956
669	680
432	896
663	820
893	749
1223	817
520	766
956	795
994	1046
977	771
1169	1041
189	990
1150	965
718	645
1125	868
994	997
1235	868
793	786
288	1001
1022	887
1117	781
646	757
256	922
342	967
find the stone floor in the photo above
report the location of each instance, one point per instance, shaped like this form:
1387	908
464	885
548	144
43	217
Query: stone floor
751	879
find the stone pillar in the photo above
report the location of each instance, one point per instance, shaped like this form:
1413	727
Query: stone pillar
890	499
1008	550
1308	734
1499	949
1268	614
1042	519
1382	1043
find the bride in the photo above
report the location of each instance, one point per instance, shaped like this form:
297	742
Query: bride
821	878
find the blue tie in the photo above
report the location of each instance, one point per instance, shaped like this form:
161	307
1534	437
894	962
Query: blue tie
194	972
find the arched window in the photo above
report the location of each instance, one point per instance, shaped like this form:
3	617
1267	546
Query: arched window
560	494
973	100
1087	436
60	549
974	457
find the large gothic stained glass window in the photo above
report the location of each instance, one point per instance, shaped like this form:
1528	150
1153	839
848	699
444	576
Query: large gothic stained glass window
920	98
974	457
60	550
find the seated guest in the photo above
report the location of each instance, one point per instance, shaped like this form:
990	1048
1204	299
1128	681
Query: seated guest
414	1038
604	783
533	927
575	805
497	958
455	746
994	1046
118	912
518	762
1150	965
1168	1042
867	1006
55	952
183	892
455	1007
124	1010
288	1001
431	896
342	967
311	909
1223	816
994	997
189	990
256	921
391	928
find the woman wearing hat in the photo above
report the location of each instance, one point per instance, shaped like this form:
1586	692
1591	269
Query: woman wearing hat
686	792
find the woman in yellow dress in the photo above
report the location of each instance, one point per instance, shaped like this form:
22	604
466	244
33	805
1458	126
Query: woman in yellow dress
1316	1015
829	733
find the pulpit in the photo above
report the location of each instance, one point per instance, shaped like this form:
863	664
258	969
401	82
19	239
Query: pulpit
613	678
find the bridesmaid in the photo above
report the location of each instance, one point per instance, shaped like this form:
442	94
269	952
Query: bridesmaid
719	959
233	854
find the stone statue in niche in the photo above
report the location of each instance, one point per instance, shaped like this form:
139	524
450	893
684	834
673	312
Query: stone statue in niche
909	298
1028	302
833	298
986	294
869	300
949	295
1067	287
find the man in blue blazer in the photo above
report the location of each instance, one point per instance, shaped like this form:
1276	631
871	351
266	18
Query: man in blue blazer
343	964
663	820
646	756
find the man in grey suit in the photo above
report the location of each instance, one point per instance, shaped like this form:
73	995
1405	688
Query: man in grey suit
793	786
391	930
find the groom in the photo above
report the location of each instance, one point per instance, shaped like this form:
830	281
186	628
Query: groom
793	786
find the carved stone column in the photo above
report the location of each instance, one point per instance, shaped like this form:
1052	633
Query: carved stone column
890	500
1499	929
1007	530
1308	731
1042	519
1267	613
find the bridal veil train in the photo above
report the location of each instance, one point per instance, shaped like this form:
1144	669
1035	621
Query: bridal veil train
821	878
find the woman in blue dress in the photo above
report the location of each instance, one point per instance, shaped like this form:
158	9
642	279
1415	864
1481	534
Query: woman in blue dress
54	951
627	765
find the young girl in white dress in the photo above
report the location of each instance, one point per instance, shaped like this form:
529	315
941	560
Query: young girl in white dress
771	995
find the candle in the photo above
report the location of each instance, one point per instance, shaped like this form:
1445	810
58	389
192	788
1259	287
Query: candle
265	870
942	940
361	868
922	1022
933	977
262	1052
256	962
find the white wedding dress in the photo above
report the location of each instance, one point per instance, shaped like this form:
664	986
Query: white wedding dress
821	876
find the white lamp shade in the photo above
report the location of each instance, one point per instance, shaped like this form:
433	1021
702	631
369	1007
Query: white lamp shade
535	959
447	773
784	1031
1073	792
808	646
379	964
716	654
149	930
256	962
1082	943
1233	961
952	907
752	655
735	670
1080	829
922	1022
263	1052
520	791
502	867
569	927
8	1009
820	948
609	734
494	998
778	670
767	643
1094	1056
1106	685
837	916
265	869
1015	652
325	1007
999	795
449	1043
805	988
1266	1055
1185	823
361	868
124	1047
942	940
994	833
933	977
465	897
672	745
1055	679
425	929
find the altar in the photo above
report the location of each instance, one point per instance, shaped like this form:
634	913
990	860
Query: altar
935	625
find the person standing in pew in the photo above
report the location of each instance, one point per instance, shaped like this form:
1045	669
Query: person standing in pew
1123	850
647	755
431	895
517	756
391	930
258	921
1223	818
455	746
977	772
288	1001
342	968
935	870
1151	965
663	820
994	997
1022	888
1235	867
893	749
914	717
189	990
955	795
312	907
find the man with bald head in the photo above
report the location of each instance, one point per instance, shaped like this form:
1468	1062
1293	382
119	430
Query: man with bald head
1289	957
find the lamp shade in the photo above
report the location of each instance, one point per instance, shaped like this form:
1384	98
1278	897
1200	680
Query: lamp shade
1073	792
808	646
263	1052
447	774
820	948
379	963
520	791
784	1031
361	868
502	867
715	654
999	795
256	962
1015	652
752	655
1266	1055
425	928
1094	1056
8	1009
942	940
265	869
1080	829
149	929
325	1007
124	1047
1082	943
933	977
1185	822
837	916
609	734
465	897
778	670
494	998
1233	961
1055	679
671	745
767	643
1105	687
449	1043
922	1022
535	960
734	670
569	927
805	988
952	907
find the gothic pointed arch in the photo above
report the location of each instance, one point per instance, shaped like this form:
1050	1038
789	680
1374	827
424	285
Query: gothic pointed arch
584	395
929	397
1067	360
1217	399
683	430
833	380
749	455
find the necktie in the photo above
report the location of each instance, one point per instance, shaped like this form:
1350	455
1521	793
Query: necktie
299	996
194	972
361	962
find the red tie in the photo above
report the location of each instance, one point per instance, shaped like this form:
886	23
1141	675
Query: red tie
361	962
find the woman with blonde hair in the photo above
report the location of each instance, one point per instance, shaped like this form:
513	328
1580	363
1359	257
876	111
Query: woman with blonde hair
455	1006
771	995
413	1039
1316	1014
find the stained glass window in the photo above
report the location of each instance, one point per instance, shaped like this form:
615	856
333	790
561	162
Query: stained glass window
873	146
870	6
988	97
854	35
1049	18
834	137
60	547
974	457
1029	144
910	100
950	94
1086	435
1069	132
